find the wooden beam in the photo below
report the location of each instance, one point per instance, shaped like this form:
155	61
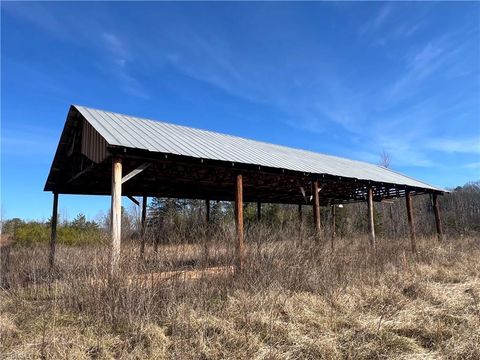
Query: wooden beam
144	217
371	222
259	211
411	224
302	190
438	221
80	173
239	221
135	172
116	211
53	235
135	201
316	207
207	210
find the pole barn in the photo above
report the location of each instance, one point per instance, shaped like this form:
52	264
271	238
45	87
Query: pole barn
105	153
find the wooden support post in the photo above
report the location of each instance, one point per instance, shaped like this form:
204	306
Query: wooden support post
144	217
207	210
316	207
135	201
208	231
239	221
135	172
116	211
53	237
411	224
438	221
334	230
393	225
371	223
259	211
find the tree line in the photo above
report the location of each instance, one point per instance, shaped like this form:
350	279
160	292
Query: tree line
182	218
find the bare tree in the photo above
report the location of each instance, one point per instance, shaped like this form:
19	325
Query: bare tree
385	159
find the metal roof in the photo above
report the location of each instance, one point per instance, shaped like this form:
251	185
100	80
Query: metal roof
155	136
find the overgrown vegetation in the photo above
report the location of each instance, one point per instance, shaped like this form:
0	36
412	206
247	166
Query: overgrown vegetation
296	298
80	231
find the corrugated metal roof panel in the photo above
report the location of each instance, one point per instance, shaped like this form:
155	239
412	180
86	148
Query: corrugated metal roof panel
155	136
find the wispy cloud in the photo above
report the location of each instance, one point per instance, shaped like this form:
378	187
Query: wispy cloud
89	33
407	29
116	46
421	63
35	13
382	15
121	57
212	60
318	93
26	142
330	106
405	153
376	22
473	165
393	35
467	145
132	86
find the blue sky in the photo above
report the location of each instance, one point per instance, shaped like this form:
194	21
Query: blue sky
347	79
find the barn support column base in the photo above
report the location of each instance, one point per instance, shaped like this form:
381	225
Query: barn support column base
239	222
438	220
144	217
371	221
411	224
53	235
116	212
316	208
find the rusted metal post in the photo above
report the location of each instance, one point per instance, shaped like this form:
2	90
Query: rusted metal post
438	221
116	211
411	224
334	231
316	207
371	223
144	217
53	237
207	210
239	221
259	211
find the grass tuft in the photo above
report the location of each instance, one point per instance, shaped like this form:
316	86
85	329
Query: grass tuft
296	299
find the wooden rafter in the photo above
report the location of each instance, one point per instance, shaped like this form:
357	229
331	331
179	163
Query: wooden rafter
135	172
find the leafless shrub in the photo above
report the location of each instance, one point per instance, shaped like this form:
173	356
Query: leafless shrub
296	298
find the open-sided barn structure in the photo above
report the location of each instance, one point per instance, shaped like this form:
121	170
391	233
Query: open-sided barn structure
104	153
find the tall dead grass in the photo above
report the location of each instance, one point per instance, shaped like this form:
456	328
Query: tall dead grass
296	299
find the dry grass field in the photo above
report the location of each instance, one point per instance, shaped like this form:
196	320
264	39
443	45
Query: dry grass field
296	299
